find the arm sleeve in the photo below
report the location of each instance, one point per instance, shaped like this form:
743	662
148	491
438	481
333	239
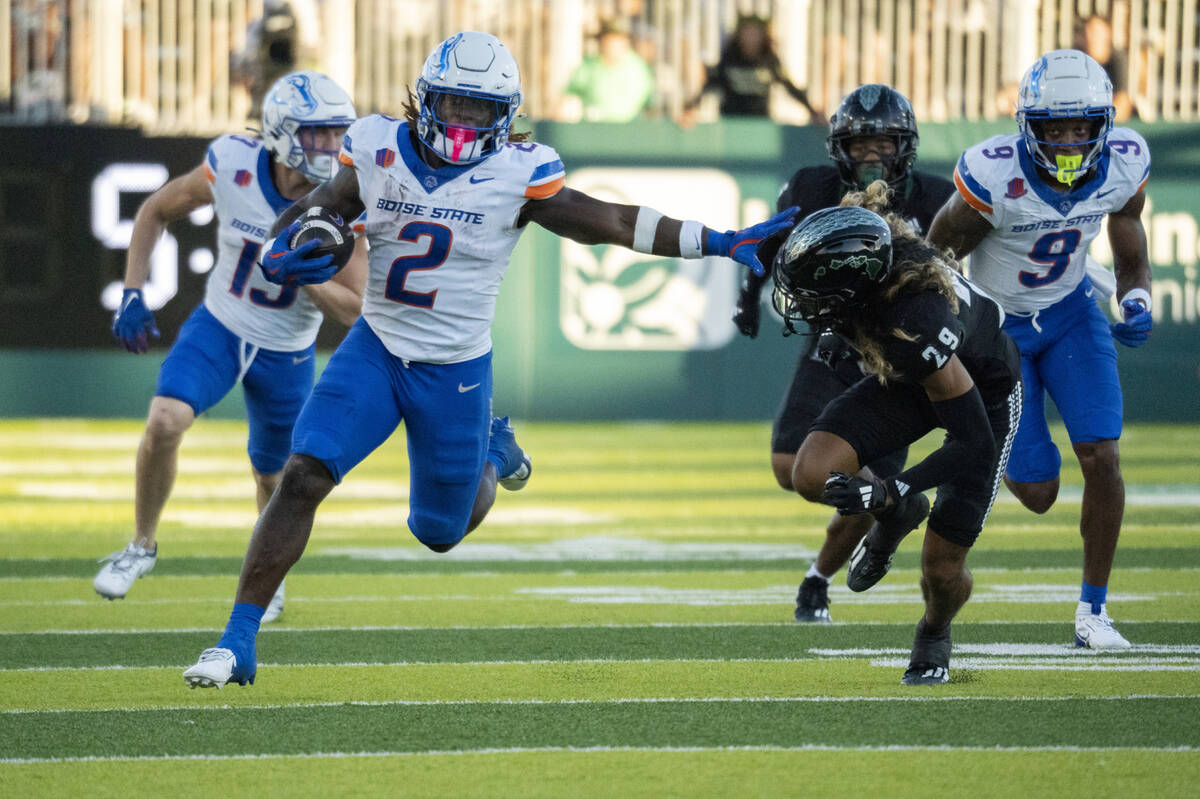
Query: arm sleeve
969	443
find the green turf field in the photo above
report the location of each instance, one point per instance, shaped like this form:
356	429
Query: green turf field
622	627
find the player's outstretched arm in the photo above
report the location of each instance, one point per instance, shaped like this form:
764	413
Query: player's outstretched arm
583	218
1131	263
133	322
958	227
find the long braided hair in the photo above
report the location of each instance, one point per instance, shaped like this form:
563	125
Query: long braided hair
916	266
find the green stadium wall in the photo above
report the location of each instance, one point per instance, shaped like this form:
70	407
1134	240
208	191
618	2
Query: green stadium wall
581	332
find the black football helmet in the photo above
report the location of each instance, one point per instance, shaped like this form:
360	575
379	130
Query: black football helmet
831	263
874	110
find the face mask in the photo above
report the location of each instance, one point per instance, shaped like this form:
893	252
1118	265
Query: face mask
1068	168
321	167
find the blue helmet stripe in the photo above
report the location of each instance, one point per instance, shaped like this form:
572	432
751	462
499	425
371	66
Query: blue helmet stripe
444	56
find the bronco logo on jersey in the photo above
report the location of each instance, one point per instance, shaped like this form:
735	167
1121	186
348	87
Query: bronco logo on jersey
242	177
385	157
1016	188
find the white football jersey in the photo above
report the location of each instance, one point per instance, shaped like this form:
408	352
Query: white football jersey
1036	255
440	239
269	316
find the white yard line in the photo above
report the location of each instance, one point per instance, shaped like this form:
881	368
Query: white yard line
624	626
633	700
599	750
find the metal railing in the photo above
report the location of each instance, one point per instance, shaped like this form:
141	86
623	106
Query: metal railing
172	66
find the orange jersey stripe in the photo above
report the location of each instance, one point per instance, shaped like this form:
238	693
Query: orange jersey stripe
345	160
973	201
208	173
545	190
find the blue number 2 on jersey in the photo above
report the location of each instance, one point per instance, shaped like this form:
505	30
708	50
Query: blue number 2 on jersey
440	239
1054	249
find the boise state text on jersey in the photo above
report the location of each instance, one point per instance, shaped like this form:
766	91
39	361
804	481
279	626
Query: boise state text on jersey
1041	258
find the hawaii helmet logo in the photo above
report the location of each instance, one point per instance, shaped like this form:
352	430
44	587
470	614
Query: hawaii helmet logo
865	263
868	96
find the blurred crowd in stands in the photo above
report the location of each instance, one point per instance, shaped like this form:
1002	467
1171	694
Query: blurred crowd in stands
604	60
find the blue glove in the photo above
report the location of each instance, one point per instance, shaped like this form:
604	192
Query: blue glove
742	245
1134	331
281	265
133	321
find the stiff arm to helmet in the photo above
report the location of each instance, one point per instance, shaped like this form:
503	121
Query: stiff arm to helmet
298	100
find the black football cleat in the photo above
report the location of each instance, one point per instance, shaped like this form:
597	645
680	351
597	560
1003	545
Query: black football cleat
812	603
873	556
930	660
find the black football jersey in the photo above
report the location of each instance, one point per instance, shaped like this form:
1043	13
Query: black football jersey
934	332
815	187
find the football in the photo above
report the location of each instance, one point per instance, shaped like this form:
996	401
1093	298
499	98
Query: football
335	236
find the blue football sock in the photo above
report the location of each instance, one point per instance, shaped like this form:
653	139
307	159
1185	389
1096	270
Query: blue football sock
1094	595
242	626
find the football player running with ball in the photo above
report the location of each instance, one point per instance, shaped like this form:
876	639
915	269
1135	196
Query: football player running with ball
247	330
936	357
1028	205
447	191
872	136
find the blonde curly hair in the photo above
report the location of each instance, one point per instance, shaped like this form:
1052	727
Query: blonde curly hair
916	266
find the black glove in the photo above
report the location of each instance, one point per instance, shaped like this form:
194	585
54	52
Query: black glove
836	353
749	305
749	312
852	495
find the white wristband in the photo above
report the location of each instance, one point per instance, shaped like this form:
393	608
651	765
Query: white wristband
689	239
644	230
265	248
1141	295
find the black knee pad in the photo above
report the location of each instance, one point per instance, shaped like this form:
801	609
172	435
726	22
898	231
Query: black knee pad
957	520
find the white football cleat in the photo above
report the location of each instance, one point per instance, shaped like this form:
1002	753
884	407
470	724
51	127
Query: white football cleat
1095	630
212	670
274	607
121	569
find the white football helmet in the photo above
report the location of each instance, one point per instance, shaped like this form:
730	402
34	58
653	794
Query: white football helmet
298	100
468	93
1065	84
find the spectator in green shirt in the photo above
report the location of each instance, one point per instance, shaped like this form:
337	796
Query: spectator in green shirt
615	85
